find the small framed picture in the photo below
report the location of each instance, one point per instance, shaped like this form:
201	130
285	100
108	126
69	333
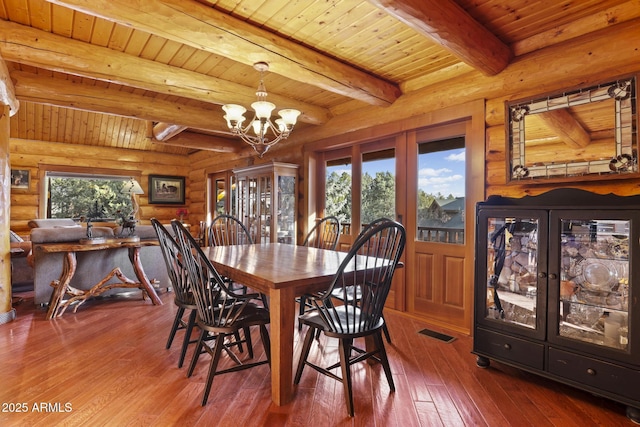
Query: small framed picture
166	190
20	179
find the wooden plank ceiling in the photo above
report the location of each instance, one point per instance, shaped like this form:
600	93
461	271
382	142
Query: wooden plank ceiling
109	72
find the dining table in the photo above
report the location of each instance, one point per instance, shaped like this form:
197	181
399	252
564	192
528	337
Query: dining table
283	272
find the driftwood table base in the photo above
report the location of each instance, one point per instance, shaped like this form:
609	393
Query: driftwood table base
62	287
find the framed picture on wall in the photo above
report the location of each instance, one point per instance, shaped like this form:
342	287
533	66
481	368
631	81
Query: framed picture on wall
20	179
166	190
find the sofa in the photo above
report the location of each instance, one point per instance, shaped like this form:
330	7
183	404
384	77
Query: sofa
21	270
92	266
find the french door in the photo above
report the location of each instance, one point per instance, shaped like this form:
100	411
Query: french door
440	224
420	179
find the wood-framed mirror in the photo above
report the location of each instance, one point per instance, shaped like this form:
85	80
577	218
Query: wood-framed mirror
589	133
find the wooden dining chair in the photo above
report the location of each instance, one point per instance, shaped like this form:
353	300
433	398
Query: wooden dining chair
364	250
228	230
324	235
221	313
183	298
371	276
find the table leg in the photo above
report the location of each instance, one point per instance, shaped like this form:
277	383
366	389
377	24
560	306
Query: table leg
69	265
134	257
282	309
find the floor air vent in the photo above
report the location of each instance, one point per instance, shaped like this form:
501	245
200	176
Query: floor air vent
437	335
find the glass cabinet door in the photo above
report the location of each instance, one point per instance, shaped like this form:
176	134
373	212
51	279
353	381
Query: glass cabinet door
286	209
514	261
265	209
594	265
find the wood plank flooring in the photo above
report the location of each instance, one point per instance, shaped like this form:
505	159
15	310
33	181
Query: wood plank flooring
107	365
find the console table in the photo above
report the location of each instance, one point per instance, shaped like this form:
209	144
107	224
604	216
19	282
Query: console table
62	287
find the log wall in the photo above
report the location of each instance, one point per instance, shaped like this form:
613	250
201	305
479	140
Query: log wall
34	155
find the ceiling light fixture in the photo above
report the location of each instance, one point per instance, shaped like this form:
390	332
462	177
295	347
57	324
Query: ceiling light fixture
261	122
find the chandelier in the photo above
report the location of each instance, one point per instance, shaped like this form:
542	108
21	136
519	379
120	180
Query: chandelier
261	124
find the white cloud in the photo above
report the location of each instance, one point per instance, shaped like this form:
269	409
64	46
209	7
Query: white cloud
445	185
433	172
439	180
457	157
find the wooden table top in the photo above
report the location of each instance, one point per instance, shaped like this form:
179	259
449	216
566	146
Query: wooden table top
85	247
275	265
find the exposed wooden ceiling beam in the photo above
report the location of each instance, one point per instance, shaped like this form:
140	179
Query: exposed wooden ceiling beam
7	91
563	124
451	26
199	141
65	93
205	28
26	45
166	131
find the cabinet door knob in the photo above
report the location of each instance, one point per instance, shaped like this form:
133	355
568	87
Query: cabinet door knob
553	276
507	346
591	371
542	275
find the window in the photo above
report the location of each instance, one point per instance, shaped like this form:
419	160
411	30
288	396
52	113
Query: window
338	190
378	194
76	195
441	190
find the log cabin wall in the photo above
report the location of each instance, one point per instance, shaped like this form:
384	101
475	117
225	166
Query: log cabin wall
31	155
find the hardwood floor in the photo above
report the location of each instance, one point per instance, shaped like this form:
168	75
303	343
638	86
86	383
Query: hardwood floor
107	365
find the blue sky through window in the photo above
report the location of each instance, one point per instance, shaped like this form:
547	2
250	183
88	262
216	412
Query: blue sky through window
442	172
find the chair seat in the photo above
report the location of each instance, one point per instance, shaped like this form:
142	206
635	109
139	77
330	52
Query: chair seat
346	323
252	314
188	302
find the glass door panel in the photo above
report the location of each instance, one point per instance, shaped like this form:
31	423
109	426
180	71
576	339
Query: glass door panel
251	214
512	273
286	209
338	188
441	191
264	214
220	195
378	186
512	265
594	281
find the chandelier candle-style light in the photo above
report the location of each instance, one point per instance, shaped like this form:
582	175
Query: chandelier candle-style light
261	122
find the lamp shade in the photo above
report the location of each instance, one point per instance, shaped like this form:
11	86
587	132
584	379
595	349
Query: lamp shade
234	116
132	187
289	116
263	109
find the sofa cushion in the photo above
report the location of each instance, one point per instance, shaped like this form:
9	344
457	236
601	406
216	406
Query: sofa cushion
72	234
52	222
